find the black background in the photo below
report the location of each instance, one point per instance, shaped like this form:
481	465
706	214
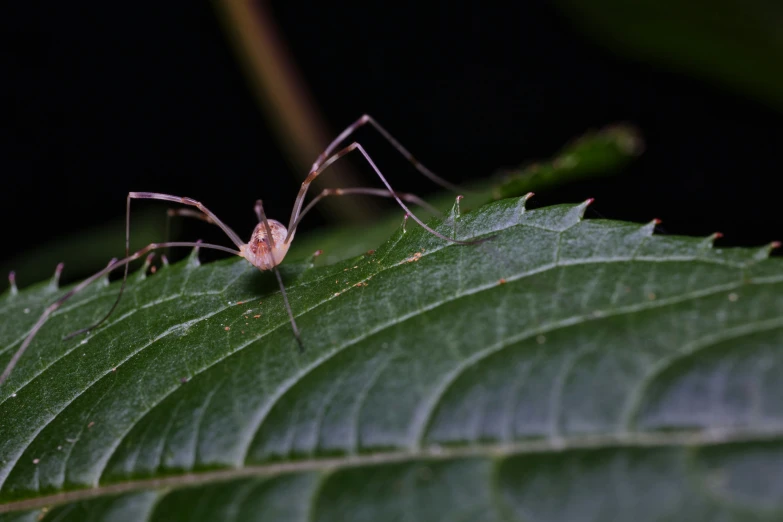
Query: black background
102	98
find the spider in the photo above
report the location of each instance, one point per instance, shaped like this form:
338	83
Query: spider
270	240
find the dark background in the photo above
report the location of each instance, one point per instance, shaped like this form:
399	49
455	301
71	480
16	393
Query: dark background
99	99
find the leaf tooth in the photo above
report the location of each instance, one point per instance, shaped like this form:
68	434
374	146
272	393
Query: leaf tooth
12	281
455	211
452	217
523	202
193	260
405	222
648	229
558	217
709	241
584	206
313	257
764	252
105	278
141	275
54	282
577	213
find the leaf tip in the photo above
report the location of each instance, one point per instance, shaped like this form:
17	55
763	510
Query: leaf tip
627	137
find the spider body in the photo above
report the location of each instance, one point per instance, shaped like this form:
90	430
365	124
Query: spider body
261	251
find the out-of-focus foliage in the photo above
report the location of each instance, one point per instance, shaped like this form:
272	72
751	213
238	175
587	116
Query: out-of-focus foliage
737	43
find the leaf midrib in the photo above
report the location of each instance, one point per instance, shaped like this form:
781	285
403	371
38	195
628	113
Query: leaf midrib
689	439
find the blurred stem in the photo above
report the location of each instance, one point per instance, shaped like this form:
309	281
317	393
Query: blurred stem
285	99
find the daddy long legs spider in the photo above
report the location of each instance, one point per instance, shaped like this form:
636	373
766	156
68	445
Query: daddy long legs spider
270	240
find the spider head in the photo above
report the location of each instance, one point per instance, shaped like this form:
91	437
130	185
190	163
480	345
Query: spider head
259	250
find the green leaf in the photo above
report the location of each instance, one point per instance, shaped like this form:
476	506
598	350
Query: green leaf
593	154
565	369
735	43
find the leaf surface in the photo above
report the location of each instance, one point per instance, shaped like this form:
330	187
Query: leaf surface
565	369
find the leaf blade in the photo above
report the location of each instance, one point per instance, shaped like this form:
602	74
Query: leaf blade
446	347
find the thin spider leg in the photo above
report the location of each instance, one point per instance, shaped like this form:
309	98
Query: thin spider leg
81	286
411	198
356	146
193	203
186	212
204	211
365	119
259	209
306	185
183	212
